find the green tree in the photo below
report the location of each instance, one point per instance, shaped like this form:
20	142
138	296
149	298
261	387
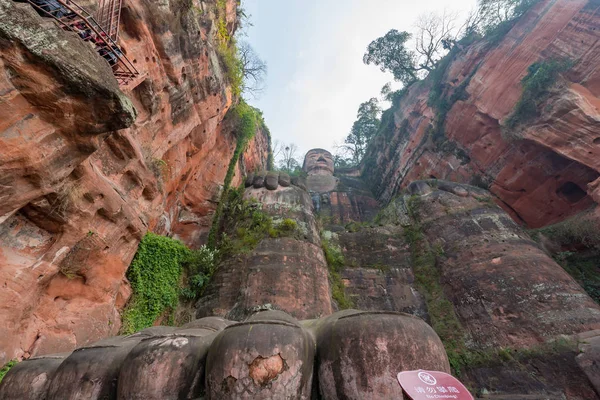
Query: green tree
364	128
434	35
390	53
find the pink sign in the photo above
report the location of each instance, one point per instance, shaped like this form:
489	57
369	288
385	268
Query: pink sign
428	385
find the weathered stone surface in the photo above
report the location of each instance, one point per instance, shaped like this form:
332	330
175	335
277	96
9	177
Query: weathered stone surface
552	374
589	359
269	356
168	367
272	180
215	324
29	379
360	353
259	180
284	274
92	372
318	162
541	179
249	180
77	195
339	198
505	289
299	182
284	179
377	274
287	273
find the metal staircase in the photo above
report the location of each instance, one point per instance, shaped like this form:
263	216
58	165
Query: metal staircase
102	36
109	15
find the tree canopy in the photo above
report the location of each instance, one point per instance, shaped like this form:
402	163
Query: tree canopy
363	130
390	53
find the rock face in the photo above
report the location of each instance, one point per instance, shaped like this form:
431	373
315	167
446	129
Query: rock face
269	356
365	349
377	273
87	167
339	197
505	290
285	273
548	174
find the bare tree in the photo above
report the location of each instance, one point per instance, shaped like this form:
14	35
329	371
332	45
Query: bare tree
433	31
276	149
254	70
472	24
288	161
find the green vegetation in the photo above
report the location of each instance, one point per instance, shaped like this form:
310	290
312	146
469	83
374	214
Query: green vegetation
248	225
578	233
515	358
578	230
354	226
233	67
436	43
494	18
228	51
442	103
584	268
246	120
427	276
540	79
244	69
155	276
335	263
287	225
390	53
199	268
7	368
363	130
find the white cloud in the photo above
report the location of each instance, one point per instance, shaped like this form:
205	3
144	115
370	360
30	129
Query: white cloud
314	50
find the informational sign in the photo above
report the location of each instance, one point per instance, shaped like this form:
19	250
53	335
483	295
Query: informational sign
429	385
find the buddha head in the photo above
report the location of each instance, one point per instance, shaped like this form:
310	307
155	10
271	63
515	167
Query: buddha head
318	162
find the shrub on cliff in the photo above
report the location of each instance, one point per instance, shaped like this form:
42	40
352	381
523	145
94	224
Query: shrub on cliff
7	368
244	69
541	77
155	276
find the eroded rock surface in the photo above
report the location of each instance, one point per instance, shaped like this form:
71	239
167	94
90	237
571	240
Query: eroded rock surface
544	177
270	355
505	289
339	197
83	178
284	273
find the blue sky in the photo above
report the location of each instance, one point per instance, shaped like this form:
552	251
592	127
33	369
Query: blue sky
313	48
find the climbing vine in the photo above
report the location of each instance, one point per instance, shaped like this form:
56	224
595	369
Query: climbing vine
228	51
427	276
335	263
246	120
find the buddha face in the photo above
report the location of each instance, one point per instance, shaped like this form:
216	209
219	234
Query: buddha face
318	162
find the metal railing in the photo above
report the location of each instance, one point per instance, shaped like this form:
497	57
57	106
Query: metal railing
109	15
70	16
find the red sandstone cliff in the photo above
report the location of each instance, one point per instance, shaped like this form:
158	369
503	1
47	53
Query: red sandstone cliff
83	175
549	174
